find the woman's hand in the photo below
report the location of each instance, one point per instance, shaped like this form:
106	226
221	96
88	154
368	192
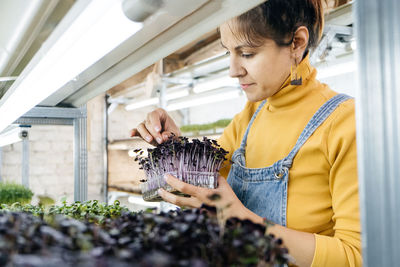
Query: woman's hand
157	127
227	200
301	245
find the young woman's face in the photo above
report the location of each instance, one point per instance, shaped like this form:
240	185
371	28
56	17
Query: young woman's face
261	70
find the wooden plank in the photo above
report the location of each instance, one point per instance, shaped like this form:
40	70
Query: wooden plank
341	15
205	52
127	85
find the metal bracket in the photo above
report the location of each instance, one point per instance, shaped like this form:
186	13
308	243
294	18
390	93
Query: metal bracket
66	116
330	32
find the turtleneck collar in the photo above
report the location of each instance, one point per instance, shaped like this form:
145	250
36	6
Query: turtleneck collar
290	94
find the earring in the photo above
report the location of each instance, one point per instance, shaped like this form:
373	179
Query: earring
294	79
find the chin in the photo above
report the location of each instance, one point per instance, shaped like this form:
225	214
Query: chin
254	98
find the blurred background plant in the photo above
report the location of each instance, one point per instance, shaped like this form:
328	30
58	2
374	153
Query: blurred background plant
196	128
45	201
11	193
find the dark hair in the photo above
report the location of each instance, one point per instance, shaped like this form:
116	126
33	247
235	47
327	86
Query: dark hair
279	19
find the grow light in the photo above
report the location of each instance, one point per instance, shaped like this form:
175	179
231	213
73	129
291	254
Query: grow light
205	98
219	82
155	100
10	136
89	31
143	103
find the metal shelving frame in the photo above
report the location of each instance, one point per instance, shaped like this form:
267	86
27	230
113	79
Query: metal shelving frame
1	164
25	159
76	117
378	129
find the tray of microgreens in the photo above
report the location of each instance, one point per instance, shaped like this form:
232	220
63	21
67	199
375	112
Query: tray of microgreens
93	234
195	161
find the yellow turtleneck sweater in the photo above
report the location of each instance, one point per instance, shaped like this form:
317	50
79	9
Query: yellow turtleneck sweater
323	184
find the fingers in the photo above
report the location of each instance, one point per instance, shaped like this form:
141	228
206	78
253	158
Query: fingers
178	200
165	135
227	200
182	186
150	128
201	194
158	118
154	123
157	127
142	131
135	132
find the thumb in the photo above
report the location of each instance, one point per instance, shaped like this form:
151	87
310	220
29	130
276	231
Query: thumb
222	182
134	132
166	135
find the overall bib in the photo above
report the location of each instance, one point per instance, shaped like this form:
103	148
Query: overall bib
264	190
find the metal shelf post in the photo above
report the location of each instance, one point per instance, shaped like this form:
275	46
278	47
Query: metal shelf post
25	158
76	117
1	164
378	129
80	159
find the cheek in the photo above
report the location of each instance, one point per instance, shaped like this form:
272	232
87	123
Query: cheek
267	74
269	78
274	73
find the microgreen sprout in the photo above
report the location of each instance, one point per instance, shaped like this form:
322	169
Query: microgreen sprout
195	162
183	238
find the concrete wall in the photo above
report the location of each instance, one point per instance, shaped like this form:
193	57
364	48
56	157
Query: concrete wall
51	169
96	148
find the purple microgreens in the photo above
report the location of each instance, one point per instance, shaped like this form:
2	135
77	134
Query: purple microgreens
195	162
93	234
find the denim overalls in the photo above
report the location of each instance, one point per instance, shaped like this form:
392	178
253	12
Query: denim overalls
264	190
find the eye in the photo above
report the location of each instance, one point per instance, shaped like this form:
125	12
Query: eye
247	55
227	53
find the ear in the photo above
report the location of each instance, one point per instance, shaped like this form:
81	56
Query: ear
300	42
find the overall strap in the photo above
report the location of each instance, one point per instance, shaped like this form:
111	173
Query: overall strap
244	140
319	117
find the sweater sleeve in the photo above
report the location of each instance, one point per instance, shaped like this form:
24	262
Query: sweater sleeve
344	247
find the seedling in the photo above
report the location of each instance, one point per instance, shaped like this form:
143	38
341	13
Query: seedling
195	162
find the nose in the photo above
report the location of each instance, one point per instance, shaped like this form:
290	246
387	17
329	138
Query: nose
235	68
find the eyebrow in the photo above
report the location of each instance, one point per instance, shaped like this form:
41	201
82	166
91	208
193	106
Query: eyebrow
237	48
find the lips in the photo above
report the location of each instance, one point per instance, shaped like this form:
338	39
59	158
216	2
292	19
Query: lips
246	85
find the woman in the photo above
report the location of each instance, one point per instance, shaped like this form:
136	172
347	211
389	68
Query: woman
293	146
